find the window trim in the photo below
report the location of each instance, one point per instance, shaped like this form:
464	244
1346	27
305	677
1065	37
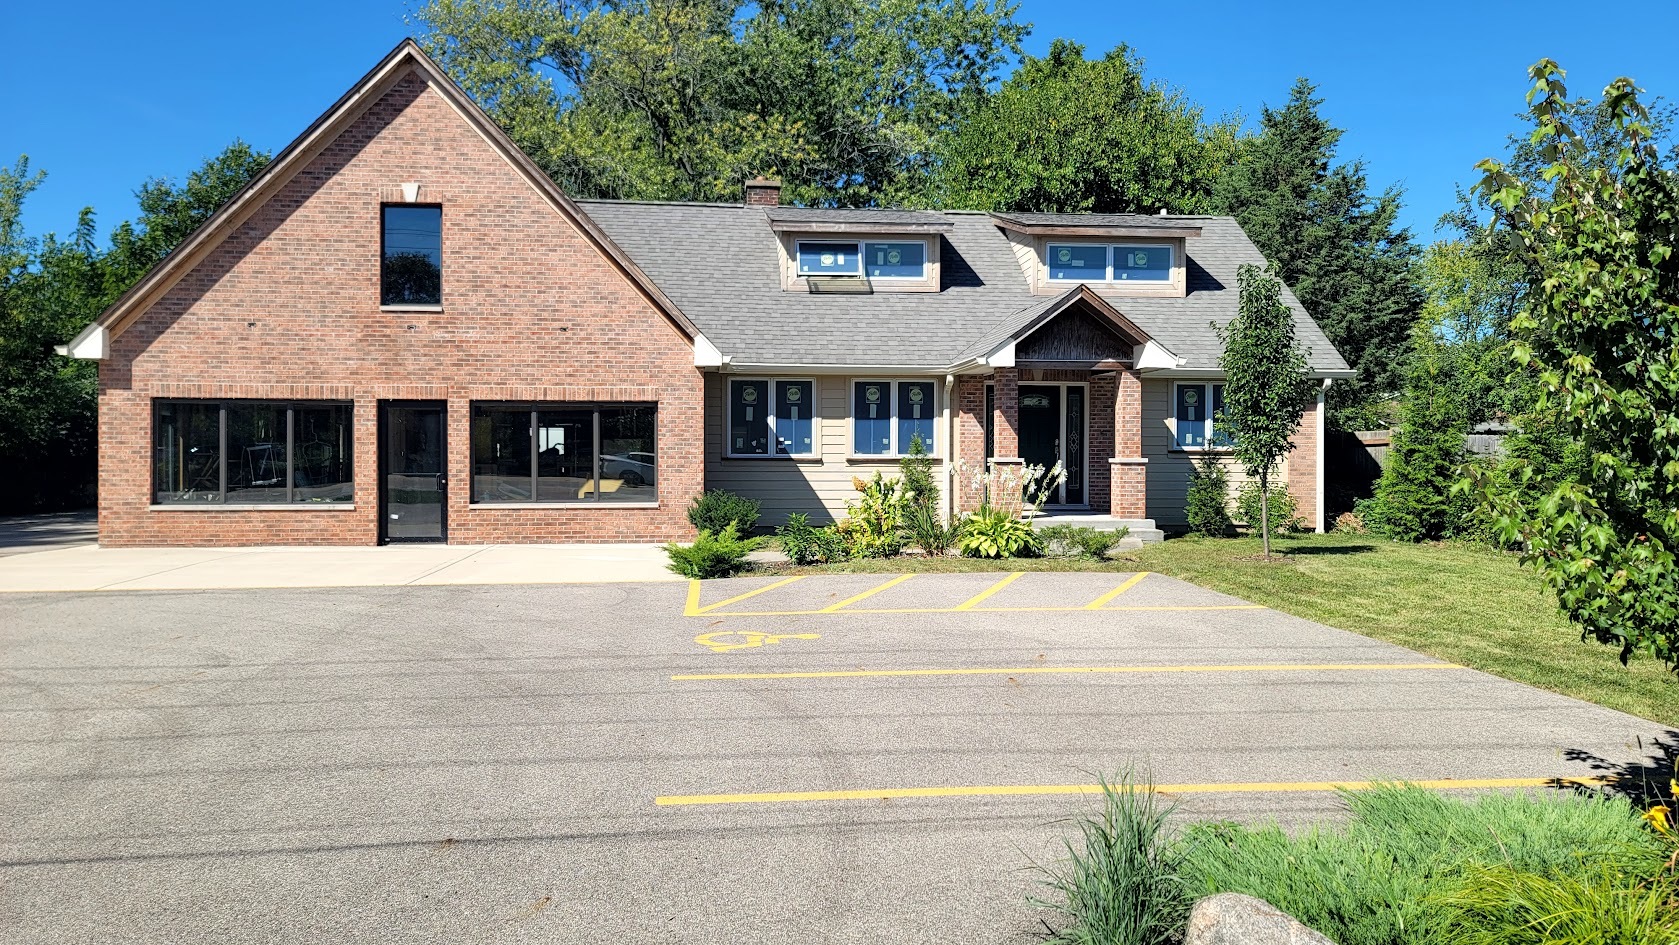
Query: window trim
1108	270
534	407
774	386
926	261
384	306
892	383
798	251
290	406
1210	446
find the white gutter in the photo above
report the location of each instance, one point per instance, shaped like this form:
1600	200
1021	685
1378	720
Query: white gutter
947	503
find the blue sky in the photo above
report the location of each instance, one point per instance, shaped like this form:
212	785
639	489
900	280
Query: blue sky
104	95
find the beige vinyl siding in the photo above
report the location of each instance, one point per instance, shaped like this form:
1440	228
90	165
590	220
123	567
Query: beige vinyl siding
1169	469
819	486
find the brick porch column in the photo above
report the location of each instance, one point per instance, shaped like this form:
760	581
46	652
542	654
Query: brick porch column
1005	424
1127	496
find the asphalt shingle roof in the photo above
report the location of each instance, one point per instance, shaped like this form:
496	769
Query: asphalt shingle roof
1138	220
719	265
842	217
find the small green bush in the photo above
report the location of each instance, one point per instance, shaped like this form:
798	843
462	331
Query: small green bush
926	528
1120	884
713	510
1075	541
997	533
873	526
712	555
1207	504
804	543
1283	508
916	471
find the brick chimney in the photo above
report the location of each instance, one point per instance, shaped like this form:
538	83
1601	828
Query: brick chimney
763	192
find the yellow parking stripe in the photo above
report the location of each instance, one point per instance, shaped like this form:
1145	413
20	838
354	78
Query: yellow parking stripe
692	608
982	595
1099	602
703	611
1007	790
834	608
1072	670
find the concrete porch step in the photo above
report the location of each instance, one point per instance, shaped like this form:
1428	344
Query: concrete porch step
1142	531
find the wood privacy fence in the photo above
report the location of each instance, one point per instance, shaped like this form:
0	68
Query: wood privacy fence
1353	461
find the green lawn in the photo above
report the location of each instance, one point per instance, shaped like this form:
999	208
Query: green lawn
1460	603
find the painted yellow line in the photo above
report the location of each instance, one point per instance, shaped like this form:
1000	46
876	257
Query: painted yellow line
710	610
982	595
692	608
1005	790
977	610
1073	670
834	608
1100	602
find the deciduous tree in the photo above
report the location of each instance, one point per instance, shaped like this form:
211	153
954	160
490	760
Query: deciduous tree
1267	383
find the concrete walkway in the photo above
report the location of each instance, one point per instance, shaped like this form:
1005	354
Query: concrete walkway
90	568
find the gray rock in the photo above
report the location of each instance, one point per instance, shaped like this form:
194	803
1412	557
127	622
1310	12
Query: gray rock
1235	919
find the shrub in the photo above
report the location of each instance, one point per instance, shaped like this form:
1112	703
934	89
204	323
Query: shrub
1283	508
1413	499
1351	523
1074	541
1120	884
804	543
997	533
714	509
1207	505
926	528
874	523
712	555
916	472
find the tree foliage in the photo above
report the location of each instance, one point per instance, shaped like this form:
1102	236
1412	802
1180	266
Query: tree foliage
1340	249
1069	134
1597	329
1413	498
50	289
1267	382
687	99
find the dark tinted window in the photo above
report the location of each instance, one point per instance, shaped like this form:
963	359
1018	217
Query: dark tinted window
412	271
275	452
563	453
257	467
626	454
749	425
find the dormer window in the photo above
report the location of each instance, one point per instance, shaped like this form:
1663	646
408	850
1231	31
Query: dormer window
1115	262
883	259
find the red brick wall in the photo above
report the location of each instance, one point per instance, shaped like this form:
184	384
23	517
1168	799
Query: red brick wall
1127	497
1302	467
288	307
970	441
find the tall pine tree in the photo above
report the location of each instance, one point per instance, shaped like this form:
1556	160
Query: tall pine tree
1339	248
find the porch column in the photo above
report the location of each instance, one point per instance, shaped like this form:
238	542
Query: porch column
1005	424
1127	490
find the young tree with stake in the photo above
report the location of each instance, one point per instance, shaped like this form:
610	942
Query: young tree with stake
1267	385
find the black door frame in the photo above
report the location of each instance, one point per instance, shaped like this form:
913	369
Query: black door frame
383	408
1060	499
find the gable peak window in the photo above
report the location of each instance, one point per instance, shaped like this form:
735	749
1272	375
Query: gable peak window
411	264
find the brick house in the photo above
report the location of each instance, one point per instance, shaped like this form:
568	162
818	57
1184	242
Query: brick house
402	330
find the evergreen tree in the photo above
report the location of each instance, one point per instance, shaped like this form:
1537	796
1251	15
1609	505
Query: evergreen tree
1413	499
1339	248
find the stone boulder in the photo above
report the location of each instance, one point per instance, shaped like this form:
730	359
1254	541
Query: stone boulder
1235	919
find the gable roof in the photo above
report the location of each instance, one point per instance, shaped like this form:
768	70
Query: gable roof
720	263
406	58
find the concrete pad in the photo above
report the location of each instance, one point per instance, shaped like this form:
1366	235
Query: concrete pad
556	564
176	569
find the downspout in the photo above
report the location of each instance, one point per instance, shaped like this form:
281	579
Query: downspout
1323	447
947	502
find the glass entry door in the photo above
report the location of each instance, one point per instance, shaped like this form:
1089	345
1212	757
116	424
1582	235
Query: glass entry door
1053	424
413	467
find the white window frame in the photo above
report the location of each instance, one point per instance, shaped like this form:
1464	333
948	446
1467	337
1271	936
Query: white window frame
892	384
1206	385
771	417
798	250
1108	269
926	261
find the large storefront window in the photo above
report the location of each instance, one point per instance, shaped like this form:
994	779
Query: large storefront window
248	452
559	453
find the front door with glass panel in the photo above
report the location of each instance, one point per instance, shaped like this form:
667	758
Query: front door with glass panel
413	467
1052	430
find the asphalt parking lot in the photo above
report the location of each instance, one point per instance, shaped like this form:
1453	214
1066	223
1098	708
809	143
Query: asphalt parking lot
852	758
